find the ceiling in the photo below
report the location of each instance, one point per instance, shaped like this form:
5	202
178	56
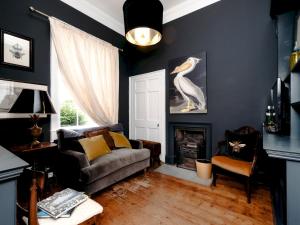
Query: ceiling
110	12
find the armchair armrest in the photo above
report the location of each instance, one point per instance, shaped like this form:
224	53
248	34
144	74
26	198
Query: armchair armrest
136	144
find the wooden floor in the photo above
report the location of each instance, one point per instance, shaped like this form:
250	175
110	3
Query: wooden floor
172	201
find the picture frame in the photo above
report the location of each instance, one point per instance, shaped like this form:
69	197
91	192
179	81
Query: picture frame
188	84
16	51
9	92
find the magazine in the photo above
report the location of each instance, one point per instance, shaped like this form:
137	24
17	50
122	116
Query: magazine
61	202
42	214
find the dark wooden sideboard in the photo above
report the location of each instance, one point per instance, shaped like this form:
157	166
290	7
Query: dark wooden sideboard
11	167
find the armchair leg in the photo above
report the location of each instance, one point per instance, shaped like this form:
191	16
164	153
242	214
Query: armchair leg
214	175
248	189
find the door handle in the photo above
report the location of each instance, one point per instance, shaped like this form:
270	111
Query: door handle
157	125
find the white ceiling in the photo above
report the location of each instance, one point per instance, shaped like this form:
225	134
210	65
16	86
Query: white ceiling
110	13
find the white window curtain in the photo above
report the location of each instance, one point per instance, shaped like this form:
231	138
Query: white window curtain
90	69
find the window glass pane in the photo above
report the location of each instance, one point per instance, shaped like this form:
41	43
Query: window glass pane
68	114
71	115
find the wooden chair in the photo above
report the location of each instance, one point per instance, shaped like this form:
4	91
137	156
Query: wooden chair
36	188
87	213
237	166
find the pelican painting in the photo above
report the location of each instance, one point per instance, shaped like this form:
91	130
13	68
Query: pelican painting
188	86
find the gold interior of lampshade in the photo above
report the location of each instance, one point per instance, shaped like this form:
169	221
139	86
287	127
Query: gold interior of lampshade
143	36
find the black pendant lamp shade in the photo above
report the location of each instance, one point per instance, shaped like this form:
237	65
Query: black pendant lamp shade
143	21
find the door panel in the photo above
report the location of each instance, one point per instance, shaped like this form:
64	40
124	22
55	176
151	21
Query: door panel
154	84
153	103
153	134
140	85
140	132
147	108
140	100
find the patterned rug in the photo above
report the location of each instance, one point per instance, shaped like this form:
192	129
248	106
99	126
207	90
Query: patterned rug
120	190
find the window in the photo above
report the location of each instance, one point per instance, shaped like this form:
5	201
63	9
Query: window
69	115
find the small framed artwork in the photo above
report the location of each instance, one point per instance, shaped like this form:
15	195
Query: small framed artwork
16	51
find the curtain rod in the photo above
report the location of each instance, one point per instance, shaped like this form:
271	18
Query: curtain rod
32	9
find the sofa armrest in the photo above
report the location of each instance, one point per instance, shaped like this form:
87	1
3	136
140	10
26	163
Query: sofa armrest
69	168
136	144
78	158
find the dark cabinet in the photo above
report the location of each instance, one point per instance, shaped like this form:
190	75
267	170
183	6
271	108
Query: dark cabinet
283	6
285	150
10	168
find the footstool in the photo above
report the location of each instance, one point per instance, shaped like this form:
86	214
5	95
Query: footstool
87	213
155	150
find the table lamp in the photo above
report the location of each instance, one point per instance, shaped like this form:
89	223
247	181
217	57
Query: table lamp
33	102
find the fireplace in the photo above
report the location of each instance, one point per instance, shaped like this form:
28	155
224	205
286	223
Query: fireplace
188	142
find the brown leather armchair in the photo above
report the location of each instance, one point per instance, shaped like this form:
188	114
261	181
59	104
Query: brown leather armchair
238	155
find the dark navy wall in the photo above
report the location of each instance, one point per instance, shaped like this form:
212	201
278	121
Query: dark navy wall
238	36
240	41
16	17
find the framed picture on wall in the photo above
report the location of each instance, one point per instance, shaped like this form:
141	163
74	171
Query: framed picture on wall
187	84
16	51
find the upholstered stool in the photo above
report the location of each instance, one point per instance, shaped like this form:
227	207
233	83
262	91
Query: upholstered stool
155	150
87	213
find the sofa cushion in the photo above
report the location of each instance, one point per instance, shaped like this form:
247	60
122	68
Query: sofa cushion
117	128
112	162
102	131
233	165
241	146
114	128
120	140
94	147
68	140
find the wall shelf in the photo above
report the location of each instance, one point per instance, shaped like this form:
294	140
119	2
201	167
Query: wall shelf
283	147
296	105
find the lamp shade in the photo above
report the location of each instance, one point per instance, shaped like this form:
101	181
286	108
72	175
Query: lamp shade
143	21
33	101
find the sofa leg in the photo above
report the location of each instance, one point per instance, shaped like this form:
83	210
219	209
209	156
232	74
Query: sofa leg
145	171
248	189
214	175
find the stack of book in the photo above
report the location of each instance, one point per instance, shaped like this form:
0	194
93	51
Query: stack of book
61	204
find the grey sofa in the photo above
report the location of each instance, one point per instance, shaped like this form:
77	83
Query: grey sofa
74	169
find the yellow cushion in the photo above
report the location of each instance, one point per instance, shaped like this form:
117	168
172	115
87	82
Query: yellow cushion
120	140
233	165
94	147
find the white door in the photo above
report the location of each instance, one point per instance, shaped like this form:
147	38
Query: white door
147	110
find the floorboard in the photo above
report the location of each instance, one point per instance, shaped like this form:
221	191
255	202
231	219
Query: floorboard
155	198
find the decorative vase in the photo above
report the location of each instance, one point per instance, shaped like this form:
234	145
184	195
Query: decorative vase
35	130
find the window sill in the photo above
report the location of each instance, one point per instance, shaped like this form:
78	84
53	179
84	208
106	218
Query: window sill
79	127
